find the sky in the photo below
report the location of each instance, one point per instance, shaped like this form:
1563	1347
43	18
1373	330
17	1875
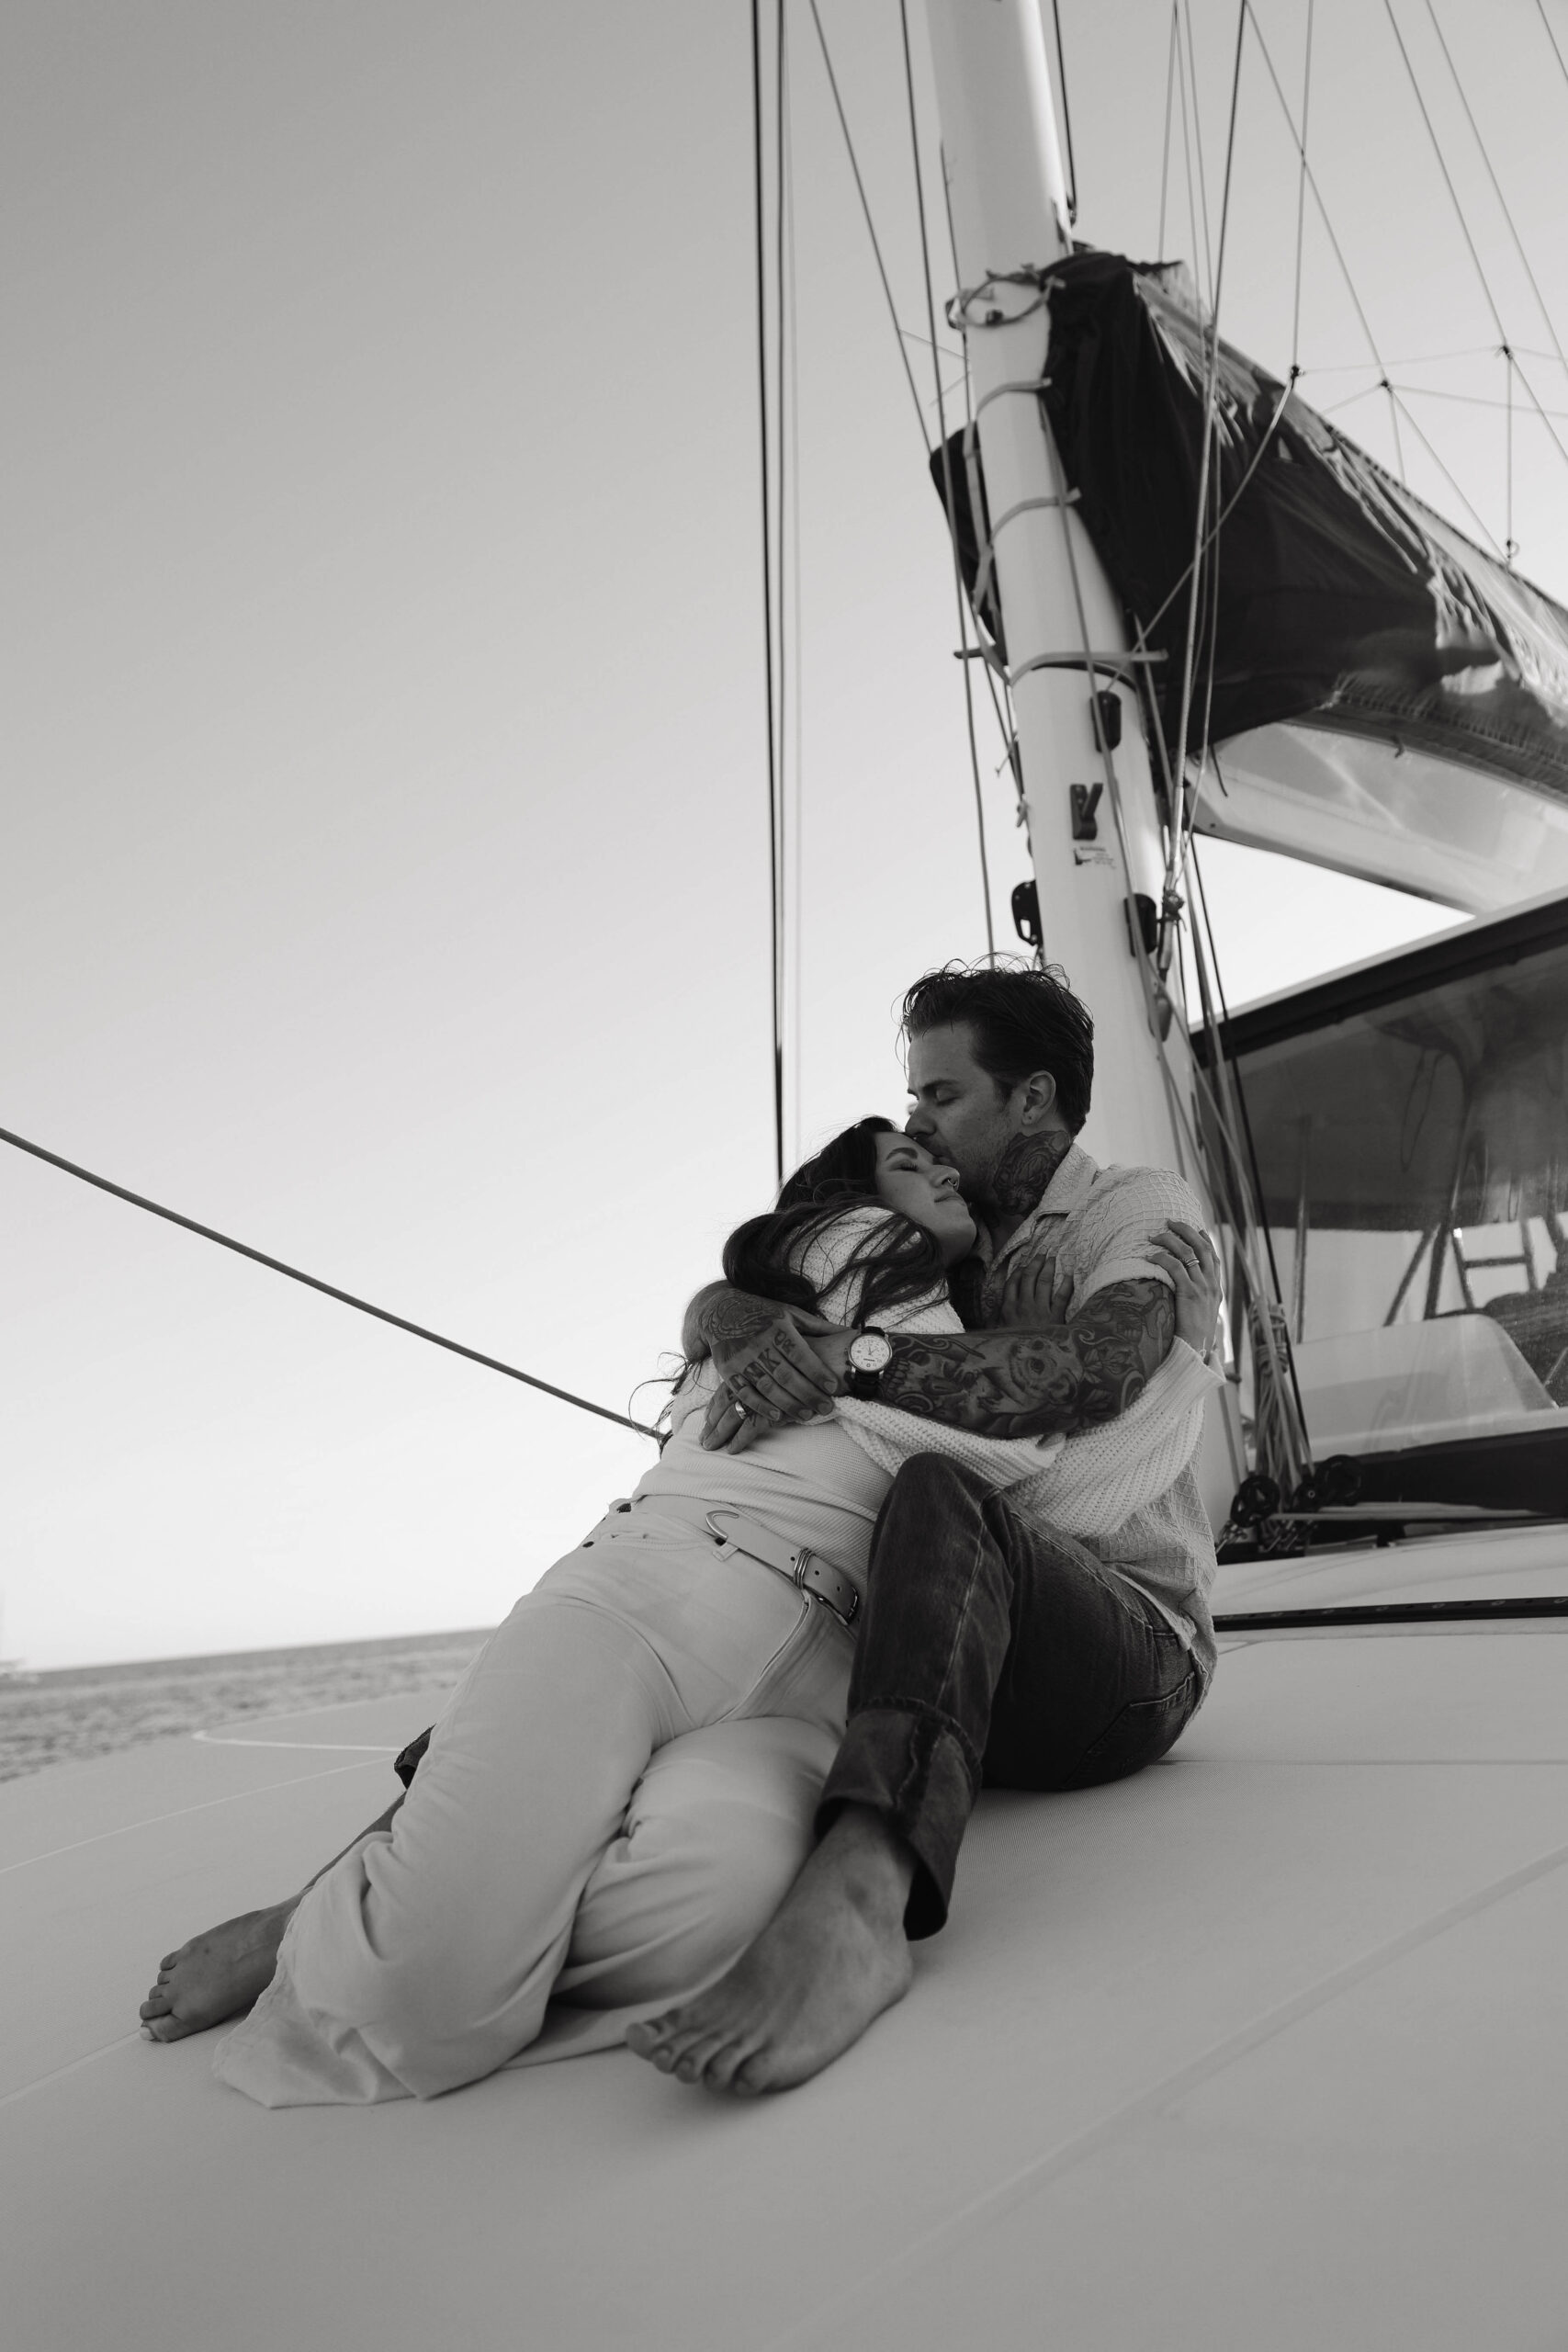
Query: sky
383	798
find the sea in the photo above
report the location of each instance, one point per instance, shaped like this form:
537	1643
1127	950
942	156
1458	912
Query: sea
76	1712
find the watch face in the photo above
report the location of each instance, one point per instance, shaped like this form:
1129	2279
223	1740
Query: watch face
870	1350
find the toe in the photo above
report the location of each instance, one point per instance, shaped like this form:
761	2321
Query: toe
752	2078
173	2029
649	2035
726	2062
157	2004
698	2055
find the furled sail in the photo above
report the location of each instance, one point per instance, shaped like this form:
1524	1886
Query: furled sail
1382	696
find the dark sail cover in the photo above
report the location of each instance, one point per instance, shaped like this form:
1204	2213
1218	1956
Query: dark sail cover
1341	599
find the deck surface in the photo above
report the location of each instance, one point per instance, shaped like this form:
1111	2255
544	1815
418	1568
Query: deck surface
1262	2049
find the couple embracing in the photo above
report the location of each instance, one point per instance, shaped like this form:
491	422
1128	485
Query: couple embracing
925	1521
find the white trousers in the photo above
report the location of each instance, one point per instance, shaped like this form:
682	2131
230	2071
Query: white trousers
614	1801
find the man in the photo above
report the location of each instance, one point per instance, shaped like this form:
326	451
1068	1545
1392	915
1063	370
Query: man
990	1652
1000	1068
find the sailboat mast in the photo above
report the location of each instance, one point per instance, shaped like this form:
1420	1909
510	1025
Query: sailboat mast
1008	192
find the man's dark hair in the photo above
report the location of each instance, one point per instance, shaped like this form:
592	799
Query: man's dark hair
1021	1021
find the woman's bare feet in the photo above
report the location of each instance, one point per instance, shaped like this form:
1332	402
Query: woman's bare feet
831	1959
216	1975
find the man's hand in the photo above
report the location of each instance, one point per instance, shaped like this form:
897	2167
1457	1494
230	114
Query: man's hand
1035	1295
767	1371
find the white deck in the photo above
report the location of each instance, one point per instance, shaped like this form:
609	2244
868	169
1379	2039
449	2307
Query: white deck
1264	2049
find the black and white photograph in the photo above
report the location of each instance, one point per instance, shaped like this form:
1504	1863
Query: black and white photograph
783	1155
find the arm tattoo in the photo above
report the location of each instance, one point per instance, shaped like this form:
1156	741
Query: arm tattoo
1036	1384
727	1319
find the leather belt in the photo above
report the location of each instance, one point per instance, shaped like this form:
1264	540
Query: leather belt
798	1562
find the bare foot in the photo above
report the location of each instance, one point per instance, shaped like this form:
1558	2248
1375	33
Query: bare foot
216	1975
831	1959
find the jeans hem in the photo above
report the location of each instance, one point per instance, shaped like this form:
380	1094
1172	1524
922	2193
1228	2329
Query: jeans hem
914	1766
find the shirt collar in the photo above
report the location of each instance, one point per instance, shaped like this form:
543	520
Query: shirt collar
1070	1187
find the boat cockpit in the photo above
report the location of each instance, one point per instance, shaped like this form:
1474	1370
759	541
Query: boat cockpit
1409	1121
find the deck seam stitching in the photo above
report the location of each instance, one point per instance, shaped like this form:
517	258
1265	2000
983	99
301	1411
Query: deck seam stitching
934	2245
154	1821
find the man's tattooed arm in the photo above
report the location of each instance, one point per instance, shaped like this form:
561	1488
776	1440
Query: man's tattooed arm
693	1338
1036	1384
719	1313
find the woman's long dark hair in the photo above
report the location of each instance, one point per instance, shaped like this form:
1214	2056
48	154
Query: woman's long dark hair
898	1261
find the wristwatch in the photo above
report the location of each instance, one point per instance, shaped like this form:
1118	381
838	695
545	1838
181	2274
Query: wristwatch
871	1351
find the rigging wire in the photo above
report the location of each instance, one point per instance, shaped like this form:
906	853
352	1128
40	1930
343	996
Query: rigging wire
1186	144
1432	393
947	481
1497	189
1355	302
1421	358
1277	1350
1066	116
957	357
1551	36
1479	520
1465	224
1300	198
786	483
795	877
1443	168
1510	545
760	225
1198	147
871	228
1182	815
1165	146
313	1281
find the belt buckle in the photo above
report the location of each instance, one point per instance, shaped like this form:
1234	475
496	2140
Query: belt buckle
728	1544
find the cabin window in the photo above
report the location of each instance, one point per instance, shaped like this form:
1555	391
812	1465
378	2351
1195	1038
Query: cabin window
1413	1152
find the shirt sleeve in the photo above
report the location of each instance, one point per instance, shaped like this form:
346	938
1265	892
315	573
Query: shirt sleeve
1103	1474
1121	1222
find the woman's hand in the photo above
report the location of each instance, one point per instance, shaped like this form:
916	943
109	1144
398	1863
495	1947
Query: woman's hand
774	1365
1035	1295
1192	1260
734	1422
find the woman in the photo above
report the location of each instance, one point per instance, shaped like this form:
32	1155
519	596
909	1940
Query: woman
427	1954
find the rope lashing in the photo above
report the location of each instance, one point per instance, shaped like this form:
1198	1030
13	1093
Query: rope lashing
960	311
997	391
988	552
1115	665
328	1290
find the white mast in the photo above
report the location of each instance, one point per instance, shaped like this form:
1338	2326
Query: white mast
1010	212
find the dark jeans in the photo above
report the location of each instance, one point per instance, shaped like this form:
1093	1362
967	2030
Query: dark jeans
992	1654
